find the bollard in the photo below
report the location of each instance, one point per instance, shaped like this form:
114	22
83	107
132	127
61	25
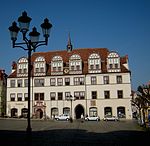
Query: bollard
71	120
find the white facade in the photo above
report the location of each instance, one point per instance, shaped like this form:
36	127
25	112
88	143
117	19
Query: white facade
87	84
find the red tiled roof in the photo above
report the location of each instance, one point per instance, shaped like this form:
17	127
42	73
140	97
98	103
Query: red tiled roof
84	53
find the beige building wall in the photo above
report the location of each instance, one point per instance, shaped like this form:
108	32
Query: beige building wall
100	103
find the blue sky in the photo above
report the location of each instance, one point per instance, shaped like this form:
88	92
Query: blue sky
120	25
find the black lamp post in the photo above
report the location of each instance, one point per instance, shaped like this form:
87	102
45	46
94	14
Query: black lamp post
70	98
29	45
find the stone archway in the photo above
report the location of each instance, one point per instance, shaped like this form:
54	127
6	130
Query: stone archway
79	110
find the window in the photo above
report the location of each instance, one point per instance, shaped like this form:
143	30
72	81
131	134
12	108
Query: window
37	70
52	95
38	96
54	69
59	68
60	95
78	67
39	82
94	94
72	68
67	81
42	69
106	94
119	79
93	80
110	66
116	65
78	81
120	93
12	97
93	112
79	95
26	82
20	71
121	112
91	67
25	70
54	112
82	95
52	82
26	96
106	79
19	96
67	94
12	83
19	83
97	66
59	81
66	111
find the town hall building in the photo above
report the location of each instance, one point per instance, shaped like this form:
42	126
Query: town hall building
84	81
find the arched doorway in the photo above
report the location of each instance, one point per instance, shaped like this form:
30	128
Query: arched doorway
108	111
24	112
39	114
79	110
14	112
121	112
54	112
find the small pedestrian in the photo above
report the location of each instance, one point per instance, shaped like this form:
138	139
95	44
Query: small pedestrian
82	118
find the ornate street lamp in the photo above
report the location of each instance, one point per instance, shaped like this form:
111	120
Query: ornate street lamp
29	45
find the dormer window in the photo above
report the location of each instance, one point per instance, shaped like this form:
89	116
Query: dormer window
113	62
22	67
39	66
94	63
75	64
57	65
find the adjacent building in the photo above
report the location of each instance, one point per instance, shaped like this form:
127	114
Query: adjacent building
3	87
87	81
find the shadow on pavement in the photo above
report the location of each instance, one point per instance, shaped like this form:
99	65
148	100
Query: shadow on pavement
73	137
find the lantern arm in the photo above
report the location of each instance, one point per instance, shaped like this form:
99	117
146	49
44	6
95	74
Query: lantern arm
39	43
22	44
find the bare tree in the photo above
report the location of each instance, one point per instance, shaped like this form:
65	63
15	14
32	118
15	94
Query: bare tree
142	101
144	92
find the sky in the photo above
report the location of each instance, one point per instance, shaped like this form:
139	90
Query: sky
119	25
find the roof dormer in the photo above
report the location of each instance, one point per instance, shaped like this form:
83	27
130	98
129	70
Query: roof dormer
94	63
39	66
57	65
75	64
22	67
113	62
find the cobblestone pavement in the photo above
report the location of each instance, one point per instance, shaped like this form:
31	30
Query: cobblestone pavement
62	133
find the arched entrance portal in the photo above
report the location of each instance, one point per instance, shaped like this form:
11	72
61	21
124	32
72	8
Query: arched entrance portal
79	110
39	114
